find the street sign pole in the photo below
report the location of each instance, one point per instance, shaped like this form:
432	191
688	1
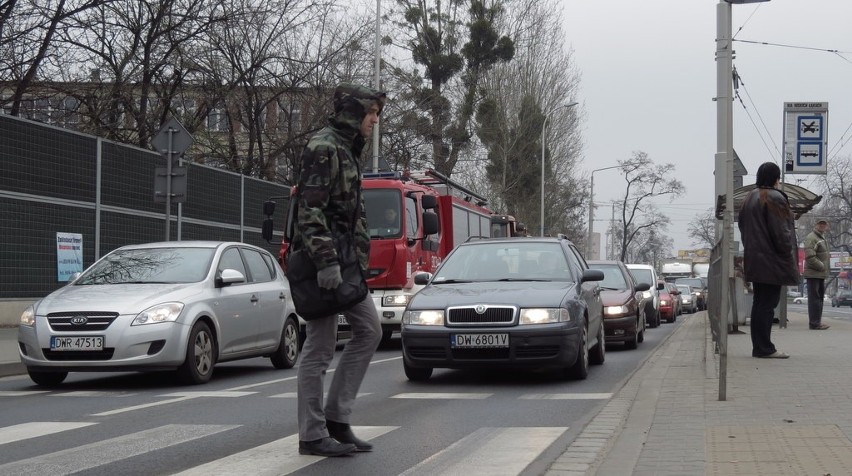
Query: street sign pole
169	157
170	181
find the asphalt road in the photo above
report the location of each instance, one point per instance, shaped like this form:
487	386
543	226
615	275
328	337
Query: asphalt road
470	421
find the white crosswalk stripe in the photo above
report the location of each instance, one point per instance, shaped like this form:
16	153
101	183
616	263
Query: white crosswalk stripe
485	452
566	396
276	458
35	429
110	450
490	451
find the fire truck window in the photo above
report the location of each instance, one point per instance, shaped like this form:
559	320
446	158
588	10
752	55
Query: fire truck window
384	219
411	218
460	219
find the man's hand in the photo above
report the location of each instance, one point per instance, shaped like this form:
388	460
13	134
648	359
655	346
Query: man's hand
329	278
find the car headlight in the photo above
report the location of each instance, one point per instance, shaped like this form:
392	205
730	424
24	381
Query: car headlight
423	318
646	294
543	316
398	300
167	312
28	316
616	310
664	302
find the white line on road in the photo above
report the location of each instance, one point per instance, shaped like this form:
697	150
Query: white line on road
35	429
278	457
139	407
490	451
448	396
566	396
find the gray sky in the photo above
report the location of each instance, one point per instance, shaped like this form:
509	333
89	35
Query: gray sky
649	76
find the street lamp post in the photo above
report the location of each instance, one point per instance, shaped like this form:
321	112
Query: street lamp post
592	208
543	129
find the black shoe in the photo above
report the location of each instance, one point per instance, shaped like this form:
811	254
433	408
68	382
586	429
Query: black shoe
325	447
342	432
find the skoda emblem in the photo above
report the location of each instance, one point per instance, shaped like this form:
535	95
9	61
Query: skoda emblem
480	309
79	320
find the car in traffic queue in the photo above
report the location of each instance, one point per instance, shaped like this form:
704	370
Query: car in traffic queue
843	297
804	300
644	273
699	290
624	317
687	298
178	305
669	303
525	303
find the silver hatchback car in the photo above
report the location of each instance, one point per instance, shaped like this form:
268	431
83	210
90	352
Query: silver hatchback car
182	305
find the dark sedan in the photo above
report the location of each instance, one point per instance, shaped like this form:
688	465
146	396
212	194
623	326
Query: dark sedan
506	303
624	319
842	298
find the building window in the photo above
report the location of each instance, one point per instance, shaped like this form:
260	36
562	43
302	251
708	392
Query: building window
217	119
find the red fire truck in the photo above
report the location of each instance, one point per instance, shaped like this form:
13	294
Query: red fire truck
414	221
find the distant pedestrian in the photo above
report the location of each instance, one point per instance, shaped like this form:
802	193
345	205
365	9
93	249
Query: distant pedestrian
816	272
769	258
330	208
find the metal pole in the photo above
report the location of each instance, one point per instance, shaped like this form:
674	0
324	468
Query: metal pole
543	128
169	181
591	214
724	176
377	85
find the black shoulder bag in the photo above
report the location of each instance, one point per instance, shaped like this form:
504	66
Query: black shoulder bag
310	299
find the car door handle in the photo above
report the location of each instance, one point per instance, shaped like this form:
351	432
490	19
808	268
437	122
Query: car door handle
282	296
254	298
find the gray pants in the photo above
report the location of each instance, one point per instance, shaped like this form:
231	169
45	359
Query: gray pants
317	354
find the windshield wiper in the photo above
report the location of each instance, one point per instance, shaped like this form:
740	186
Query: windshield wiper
611	289
451	281
524	279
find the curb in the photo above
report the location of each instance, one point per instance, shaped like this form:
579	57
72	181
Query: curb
13	368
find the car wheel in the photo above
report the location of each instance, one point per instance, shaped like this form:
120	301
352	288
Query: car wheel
200	356
598	355
47	379
580	369
287	353
659	318
416	374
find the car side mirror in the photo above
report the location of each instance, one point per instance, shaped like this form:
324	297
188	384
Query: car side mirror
422	278
228	277
592	275
643	287
661	286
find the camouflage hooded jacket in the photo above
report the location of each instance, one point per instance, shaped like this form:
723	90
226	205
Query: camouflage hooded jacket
330	180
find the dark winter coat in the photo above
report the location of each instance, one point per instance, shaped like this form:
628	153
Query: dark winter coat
769	238
330	180
816	256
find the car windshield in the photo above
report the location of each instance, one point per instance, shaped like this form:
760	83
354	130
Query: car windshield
150	265
694	282
642	276
613	279
512	260
684	289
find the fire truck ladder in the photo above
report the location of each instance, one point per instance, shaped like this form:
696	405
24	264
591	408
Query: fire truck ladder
432	178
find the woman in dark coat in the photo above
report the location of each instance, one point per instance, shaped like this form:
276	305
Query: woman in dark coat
769	242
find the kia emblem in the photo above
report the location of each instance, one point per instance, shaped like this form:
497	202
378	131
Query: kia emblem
79	320
480	309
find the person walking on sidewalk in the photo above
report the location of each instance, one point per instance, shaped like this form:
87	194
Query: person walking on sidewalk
330	204
816	272
769	257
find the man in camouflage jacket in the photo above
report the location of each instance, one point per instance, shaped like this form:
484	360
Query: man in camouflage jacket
816	272
330	205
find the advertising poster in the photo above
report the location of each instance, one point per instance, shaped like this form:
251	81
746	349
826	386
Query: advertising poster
69	255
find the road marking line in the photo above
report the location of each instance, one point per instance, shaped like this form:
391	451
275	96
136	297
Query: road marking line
278	457
91	393
108	451
139	407
35	429
566	396
285	379
21	393
448	396
295	395
490	451
212	393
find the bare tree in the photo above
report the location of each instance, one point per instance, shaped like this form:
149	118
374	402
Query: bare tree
645	181
702	229
519	95
457	43
836	205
